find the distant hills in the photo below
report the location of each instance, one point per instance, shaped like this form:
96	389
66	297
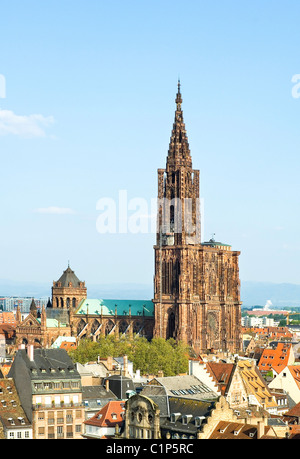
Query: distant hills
281	295
252	293
107	291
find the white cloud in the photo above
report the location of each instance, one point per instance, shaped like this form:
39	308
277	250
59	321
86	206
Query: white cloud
55	210
24	125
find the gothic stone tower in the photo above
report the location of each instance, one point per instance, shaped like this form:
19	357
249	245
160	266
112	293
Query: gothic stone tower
68	291
196	286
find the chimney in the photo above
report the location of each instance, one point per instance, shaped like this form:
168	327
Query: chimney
22	346
125	360
109	363
107	385
30	352
260	429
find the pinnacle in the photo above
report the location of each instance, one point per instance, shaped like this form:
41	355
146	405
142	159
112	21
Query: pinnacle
179	146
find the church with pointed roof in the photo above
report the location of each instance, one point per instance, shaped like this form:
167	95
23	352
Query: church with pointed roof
38	328
68	290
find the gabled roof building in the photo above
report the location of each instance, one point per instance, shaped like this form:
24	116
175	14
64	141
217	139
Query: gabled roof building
258	393
288	379
276	358
107	422
49	388
95	398
13	420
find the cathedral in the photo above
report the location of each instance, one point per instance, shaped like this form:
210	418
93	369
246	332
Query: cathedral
196	285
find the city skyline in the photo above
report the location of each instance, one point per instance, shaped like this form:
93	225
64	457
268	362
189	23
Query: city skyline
86	111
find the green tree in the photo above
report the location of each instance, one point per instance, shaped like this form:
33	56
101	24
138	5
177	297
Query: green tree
149	357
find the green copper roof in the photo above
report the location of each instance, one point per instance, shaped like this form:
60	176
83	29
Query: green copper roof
213	243
107	307
52	323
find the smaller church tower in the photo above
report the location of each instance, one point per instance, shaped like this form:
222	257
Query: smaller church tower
33	309
68	291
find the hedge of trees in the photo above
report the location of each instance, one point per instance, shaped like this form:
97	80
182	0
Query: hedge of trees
149	357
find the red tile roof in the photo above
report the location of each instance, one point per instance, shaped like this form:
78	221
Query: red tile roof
295	372
221	372
67	345
110	415
275	358
294	411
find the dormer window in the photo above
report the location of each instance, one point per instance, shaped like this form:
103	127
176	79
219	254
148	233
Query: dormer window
198	420
186	419
174	417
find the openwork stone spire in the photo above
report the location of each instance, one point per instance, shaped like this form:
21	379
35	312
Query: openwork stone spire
179	151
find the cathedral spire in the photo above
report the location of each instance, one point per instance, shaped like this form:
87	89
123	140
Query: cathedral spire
179	151
178	99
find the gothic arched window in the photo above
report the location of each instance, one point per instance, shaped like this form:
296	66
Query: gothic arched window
171	326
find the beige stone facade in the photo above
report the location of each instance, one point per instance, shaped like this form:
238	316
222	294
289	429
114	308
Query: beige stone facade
142	418
50	391
57	422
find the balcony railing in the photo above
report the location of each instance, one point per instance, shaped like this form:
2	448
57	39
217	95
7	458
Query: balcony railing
54	406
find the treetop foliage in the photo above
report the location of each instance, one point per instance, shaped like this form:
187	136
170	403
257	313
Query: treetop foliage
148	357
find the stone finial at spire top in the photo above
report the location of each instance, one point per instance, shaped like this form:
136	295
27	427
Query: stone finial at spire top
178	97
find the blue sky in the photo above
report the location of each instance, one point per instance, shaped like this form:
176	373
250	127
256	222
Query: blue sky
88	110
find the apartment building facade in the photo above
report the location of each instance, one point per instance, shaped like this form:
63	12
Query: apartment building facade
49	387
